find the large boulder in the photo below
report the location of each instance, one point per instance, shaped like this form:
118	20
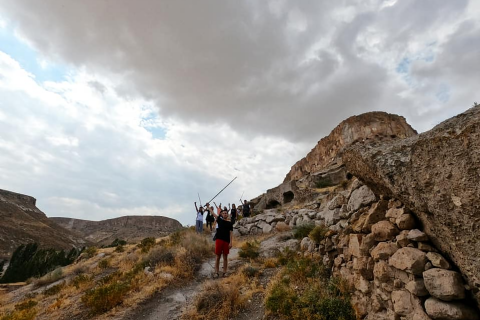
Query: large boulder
435	174
441	310
444	284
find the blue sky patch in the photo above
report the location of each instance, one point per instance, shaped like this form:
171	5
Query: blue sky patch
29	59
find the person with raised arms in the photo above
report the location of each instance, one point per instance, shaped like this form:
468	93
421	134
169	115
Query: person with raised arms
223	241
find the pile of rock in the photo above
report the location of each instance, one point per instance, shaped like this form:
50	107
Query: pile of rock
376	247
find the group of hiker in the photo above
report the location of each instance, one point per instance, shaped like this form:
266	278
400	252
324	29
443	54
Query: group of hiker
224	219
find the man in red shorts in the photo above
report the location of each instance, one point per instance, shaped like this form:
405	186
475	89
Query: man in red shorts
224	240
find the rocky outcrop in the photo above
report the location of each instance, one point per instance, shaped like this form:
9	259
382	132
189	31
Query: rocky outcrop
367	126
128	228
436	175
21	222
323	165
394	272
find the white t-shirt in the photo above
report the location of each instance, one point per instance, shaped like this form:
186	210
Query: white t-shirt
199	216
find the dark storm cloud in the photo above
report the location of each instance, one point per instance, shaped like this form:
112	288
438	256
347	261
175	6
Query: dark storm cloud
292	69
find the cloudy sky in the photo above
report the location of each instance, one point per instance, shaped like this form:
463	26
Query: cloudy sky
119	107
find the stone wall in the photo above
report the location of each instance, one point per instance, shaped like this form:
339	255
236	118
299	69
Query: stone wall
378	247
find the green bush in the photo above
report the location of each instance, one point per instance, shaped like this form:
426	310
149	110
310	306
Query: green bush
29	261
54	289
91	251
286	255
318	233
281	300
305	290
26	305
79	280
106	297
116	243
104	264
301	231
250	271
28	314
160	255
146	244
249	250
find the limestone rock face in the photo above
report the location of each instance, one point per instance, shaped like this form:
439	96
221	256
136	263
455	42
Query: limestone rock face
371	125
436	176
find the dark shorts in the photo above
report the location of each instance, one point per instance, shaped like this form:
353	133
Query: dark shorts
221	247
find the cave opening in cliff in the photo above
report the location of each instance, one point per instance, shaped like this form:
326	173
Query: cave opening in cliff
272	204
288	197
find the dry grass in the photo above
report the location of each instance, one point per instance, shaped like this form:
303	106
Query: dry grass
222	299
87	274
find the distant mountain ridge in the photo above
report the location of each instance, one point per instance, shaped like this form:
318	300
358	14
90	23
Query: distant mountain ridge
21	222
129	228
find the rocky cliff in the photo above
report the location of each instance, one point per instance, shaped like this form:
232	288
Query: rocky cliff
22	222
129	228
436	175
323	165
402	228
368	126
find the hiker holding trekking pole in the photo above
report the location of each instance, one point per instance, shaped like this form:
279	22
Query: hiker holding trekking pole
223	241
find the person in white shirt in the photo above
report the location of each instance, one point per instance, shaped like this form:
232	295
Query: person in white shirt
199	221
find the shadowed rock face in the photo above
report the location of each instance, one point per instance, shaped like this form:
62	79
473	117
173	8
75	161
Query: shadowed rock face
436	175
367	126
129	228
21	222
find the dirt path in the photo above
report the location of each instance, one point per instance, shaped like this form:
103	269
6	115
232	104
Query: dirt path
173	301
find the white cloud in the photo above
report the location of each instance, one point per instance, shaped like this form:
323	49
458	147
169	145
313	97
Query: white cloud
87	153
189	95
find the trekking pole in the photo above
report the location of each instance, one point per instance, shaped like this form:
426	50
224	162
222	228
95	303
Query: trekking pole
222	190
199	199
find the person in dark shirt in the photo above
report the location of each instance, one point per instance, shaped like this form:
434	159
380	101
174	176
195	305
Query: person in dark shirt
223	241
246	209
233	213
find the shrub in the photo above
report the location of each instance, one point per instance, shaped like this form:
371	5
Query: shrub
54	289
91	251
116	243
26	305
119	248
28	314
302	231
161	255
249	250
79	269
79	280
286	255
305	290
104	264
250	271
176	237
146	244
217	301
29	261
51	277
270	263
104	298
318	233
